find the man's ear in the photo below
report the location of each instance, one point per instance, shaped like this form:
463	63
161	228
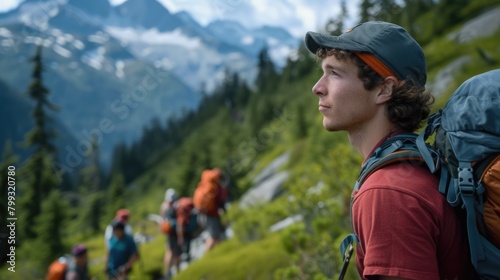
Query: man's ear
387	89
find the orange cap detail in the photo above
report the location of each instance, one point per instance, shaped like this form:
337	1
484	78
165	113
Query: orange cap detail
376	64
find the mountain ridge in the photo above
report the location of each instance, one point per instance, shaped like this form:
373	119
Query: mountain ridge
90	48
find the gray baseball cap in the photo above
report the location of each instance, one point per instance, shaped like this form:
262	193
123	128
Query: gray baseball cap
389	43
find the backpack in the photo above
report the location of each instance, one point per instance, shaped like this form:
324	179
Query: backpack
169	223
185	208
206	194
466	156
182	207
57	269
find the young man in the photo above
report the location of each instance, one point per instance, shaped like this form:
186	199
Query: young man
121	253
373	87
121	215
77	268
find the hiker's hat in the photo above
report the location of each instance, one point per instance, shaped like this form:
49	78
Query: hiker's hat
170	195
122	215
78	250
118	225
387	48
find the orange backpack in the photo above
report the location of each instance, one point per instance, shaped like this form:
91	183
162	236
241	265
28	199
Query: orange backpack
165	227
57	269
205	196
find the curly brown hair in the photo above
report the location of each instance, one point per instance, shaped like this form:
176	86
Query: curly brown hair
410	104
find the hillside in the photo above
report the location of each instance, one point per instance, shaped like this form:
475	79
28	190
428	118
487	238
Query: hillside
243	128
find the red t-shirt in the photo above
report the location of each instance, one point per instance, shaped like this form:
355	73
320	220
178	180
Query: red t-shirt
406	227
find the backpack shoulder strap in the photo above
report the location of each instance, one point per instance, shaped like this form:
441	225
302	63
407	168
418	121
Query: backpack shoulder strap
395	157
399	148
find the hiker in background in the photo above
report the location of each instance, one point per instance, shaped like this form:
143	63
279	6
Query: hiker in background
121	252
180	226
77	267
210	197
173	250
122	215
373	87
72	267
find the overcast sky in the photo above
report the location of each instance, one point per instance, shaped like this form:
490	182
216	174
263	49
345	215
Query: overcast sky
297	16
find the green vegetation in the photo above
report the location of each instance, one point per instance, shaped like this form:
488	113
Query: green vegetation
241	128
234	260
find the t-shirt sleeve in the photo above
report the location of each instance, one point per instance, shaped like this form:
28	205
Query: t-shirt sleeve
398	234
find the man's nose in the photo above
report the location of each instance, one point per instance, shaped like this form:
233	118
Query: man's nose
319	88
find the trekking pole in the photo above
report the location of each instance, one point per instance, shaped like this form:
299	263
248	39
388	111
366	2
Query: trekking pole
346	262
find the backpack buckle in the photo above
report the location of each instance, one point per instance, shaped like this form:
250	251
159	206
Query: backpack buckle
466	181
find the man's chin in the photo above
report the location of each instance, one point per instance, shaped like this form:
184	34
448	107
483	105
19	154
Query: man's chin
330	129
329	126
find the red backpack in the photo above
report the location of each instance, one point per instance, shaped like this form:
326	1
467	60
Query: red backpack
206	194
57	269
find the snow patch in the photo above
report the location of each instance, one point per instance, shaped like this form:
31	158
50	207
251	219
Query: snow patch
33	40
272	42
56	32
7	43
37	15
47	42
61	40
78	44
164	63
99	38
4	32
247	40
154	37
120	65
62	51
94	58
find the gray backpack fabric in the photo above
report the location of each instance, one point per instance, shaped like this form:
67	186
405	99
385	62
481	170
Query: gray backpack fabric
468	145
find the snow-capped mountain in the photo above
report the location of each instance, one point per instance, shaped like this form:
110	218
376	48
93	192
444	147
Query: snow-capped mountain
127	64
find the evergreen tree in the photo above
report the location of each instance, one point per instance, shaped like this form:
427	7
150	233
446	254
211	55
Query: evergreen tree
267	77
30	205
40	177
388	10
189	176
116	191
448	13
335	26
90	205
365	10
300	127
49	227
